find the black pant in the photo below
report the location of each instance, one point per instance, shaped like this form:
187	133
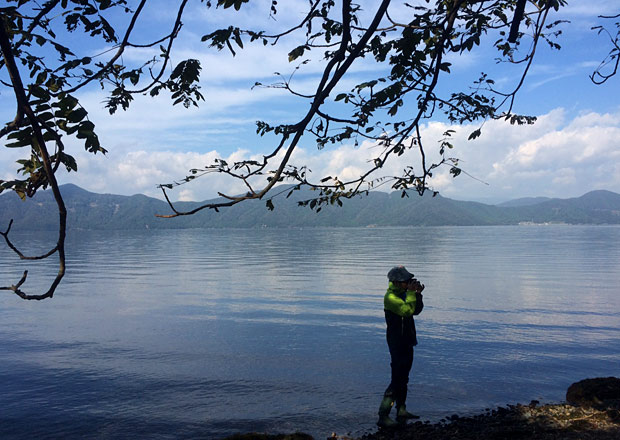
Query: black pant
402	360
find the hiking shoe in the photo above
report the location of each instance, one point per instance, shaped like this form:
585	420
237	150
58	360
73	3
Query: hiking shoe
386	422
403	414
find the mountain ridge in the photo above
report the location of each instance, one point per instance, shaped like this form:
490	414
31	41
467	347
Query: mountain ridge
89	210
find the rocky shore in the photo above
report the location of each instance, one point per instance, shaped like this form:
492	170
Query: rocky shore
591	411
518	422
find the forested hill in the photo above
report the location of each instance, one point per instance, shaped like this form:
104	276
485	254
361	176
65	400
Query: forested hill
106	211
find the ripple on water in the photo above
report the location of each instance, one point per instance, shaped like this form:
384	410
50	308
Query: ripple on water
162	334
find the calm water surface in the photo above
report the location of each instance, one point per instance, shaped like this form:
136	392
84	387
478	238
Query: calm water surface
204	333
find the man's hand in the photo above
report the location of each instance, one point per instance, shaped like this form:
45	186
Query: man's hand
415	285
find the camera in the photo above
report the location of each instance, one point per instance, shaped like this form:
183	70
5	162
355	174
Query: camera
414	284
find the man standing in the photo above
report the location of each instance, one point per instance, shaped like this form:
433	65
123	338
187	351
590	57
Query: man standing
402	300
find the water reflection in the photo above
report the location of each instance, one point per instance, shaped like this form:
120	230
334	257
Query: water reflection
203	333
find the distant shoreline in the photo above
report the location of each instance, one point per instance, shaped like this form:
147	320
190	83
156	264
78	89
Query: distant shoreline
299	228
87	210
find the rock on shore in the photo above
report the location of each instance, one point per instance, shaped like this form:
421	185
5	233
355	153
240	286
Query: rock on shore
600	392
593	413
516	422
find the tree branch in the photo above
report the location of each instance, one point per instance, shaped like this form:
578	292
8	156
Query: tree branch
324	88
116	56
24	106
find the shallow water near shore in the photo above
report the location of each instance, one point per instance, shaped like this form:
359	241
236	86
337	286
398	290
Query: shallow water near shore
205	333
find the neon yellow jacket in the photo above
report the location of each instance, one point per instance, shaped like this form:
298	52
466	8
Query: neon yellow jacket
400	305
401	302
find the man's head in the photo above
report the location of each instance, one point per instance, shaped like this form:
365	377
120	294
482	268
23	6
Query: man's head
399	274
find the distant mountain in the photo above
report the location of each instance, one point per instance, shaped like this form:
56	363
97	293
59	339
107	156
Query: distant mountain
525	201
595	207
89	210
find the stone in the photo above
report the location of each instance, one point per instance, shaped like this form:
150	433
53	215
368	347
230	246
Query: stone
600	393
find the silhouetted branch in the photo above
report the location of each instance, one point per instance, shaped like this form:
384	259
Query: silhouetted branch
18	252
24	106
516	21
333	72
397	137
117	55
612	58
171	37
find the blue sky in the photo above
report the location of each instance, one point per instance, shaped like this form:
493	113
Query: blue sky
573	148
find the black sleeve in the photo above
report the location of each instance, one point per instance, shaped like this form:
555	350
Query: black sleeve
419	304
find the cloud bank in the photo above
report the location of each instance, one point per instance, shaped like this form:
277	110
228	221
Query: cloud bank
559	156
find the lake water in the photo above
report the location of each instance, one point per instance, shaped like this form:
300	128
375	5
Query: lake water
204	333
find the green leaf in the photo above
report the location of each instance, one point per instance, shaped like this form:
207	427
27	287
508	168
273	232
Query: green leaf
237	38
87	127
68	161
77	115
68	103
46	116
296	53
39	92
18	144
41	77
49	136
474	134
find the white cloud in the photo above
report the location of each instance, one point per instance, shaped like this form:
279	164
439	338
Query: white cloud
141	171
549	79
570	158
590	9
557	157
590	137
7	162
565	176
